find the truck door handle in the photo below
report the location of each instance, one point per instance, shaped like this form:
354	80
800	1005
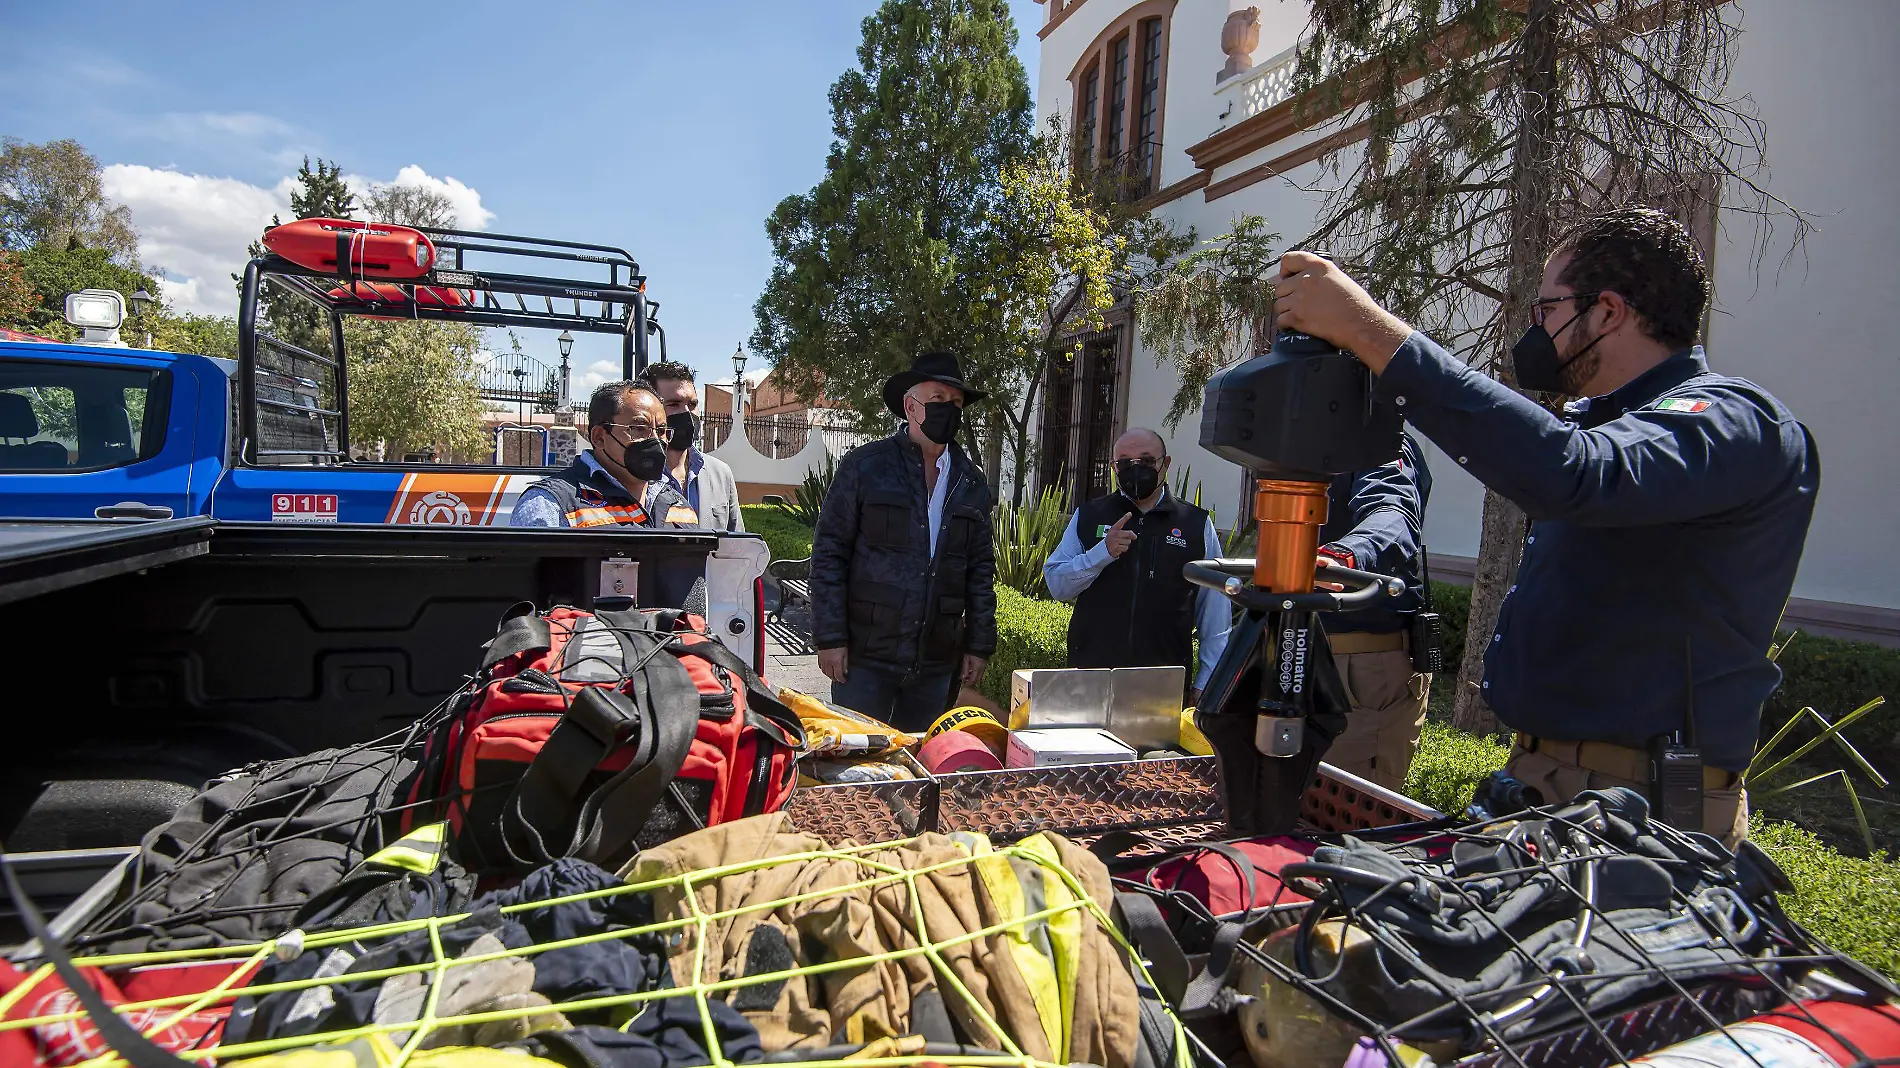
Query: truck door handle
132	510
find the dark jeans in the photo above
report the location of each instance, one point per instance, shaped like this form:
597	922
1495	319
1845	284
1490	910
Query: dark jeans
908	701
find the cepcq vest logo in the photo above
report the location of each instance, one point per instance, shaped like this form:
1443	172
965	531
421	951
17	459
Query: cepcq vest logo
439	508
1175	538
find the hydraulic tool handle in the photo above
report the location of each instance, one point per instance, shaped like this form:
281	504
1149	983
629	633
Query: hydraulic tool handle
1229	577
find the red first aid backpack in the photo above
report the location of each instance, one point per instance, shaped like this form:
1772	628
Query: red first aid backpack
595	735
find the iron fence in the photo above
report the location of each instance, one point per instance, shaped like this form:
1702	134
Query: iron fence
780	437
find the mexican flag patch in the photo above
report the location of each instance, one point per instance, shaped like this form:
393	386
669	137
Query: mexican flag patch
1675	404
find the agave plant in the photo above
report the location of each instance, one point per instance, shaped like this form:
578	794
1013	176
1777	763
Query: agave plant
1763	767
810	497
1024	538
1232	543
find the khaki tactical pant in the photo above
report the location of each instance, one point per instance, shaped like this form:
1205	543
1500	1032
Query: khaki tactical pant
1562	770
1388	707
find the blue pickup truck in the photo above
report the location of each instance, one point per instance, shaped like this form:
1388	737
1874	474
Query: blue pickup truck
195	573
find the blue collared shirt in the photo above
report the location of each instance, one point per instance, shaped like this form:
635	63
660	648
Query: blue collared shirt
690	491
1668	520
1069	571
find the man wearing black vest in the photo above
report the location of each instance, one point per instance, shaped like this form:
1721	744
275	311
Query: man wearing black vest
1120	561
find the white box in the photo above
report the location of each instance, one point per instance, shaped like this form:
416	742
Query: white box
1053	746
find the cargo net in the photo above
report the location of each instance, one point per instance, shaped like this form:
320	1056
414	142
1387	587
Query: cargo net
1576	935
1036	920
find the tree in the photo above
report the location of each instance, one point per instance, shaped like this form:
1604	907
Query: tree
205	335
18	298
898	249
56	270
1209	308
1074	247
51	194
1488	123
320	194
409	205
414	384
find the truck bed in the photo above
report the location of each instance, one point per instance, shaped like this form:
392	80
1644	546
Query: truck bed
169	652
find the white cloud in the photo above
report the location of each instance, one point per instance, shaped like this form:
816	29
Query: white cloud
248	125
196	228
582	384
469	213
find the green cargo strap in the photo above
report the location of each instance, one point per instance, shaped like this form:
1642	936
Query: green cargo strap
419	851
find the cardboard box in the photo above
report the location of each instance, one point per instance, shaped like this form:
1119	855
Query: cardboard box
1054	746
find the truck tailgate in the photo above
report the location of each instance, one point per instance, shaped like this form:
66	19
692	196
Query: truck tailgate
41	555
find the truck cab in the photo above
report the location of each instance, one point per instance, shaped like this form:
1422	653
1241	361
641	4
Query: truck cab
210	574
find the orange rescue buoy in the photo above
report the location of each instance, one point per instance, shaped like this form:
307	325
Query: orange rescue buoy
351	248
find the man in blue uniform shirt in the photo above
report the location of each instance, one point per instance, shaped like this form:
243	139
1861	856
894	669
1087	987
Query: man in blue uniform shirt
1375	520
1669	507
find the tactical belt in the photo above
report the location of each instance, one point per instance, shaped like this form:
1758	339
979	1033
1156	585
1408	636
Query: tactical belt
1358	641
1616	761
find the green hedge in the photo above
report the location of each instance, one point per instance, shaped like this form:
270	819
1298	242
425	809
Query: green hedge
786	537
1030	633
1850	903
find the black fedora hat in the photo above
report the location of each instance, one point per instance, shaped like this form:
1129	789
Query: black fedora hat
930	367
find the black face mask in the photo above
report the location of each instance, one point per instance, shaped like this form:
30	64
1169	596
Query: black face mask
1535	362
941	421
682	428
1136	481
644	460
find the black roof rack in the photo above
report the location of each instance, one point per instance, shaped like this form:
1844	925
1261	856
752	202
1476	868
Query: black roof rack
590	288
607	304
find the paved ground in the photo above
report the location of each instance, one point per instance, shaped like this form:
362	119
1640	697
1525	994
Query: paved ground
790	659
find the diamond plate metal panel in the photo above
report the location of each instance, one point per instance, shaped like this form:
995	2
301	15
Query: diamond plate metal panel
864	812
1082	799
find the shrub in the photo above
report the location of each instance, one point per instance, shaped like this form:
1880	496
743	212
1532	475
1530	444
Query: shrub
1450	764
1024	538
1849	903
810	496
1030	633
1835	677
786	537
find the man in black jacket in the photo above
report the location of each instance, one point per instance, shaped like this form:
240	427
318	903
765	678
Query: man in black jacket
902	570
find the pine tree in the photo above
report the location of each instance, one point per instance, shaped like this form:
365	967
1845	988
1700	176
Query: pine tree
320	194
897	250
1488	124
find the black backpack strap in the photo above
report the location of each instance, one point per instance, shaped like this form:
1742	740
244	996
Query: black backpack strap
522	630
655	711
763	708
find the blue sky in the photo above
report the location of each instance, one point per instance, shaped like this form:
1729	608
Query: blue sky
670	128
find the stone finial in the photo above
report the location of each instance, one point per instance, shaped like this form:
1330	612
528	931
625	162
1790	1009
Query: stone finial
1238	38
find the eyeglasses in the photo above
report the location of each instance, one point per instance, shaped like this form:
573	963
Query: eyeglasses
635	431
1540	309
1138	461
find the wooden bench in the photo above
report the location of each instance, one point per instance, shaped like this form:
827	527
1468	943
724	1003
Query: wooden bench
793	580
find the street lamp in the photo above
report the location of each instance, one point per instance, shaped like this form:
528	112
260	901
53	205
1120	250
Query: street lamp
139	301
521	396
567	346
738	383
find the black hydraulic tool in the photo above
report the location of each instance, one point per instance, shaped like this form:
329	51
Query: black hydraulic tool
1297	415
